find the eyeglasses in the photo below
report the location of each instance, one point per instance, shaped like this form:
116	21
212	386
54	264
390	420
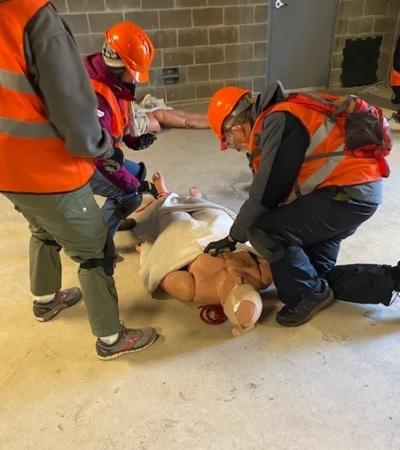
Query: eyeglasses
228	139
117	71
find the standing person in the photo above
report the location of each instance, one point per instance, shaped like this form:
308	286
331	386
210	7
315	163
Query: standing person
49	138
124	60
307	195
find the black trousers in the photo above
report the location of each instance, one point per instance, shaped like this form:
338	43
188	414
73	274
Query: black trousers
301	240
363	283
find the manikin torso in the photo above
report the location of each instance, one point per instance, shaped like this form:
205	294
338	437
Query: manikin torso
208	279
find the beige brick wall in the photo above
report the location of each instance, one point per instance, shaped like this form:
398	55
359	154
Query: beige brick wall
219	42
365	18
212	42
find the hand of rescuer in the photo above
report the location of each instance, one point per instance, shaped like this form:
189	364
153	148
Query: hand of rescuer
139	142
115	162
149	188
225	244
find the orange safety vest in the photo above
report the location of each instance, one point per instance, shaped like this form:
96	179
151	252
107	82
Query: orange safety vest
395	72
394	78
33	156
325	163
120	115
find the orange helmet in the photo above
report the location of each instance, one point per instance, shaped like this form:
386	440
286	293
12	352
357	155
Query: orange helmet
222	103
133	46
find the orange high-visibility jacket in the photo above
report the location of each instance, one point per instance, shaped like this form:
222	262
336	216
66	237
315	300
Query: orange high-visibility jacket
120	115
394	78
325	163
395	73
33	156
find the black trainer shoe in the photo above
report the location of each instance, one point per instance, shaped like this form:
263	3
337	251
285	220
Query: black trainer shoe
62	300
129	341
127	224
294	315
394	272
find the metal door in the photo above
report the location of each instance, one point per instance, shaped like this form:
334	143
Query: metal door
300	36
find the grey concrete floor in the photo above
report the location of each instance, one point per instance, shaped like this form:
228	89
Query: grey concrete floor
330	384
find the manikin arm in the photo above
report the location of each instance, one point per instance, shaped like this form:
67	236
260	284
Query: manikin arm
179	284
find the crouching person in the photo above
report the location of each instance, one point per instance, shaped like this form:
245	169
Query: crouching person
314	184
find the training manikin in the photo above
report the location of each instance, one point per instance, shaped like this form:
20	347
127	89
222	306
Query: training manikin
173	231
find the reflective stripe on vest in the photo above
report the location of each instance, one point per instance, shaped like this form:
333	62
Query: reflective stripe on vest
33	155
325	163
119	119
27	129
15	81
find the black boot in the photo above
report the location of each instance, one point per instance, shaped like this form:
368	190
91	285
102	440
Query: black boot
126	224
394	273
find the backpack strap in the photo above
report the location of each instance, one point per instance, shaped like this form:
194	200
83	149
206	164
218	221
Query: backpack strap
344	106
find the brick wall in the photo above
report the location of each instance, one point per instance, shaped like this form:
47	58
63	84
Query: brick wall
365	18
219	42
212	42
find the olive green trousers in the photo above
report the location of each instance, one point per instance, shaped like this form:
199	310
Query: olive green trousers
74	221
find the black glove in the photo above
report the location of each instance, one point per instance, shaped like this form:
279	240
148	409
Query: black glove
148	187
139	142
115	162
227	244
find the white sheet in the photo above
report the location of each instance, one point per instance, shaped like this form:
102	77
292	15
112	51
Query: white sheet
174	231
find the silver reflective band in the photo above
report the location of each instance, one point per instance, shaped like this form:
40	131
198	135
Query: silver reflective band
20	128
15	81
319	136
333	159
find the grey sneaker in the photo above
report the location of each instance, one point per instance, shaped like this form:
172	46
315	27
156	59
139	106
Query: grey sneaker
129	341
61	300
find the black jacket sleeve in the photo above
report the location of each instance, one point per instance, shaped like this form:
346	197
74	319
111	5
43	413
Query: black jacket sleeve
283	143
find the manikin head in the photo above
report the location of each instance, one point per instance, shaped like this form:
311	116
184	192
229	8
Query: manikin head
128	52
229	114
242	306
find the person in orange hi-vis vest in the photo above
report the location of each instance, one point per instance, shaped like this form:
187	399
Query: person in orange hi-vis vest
124	61
307	194
49	138
395	73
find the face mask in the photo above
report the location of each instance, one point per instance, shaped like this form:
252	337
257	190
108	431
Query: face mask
117	71
130	87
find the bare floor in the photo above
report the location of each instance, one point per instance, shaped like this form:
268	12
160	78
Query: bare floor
330	384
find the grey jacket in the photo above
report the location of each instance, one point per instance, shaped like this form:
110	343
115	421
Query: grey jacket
60	79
